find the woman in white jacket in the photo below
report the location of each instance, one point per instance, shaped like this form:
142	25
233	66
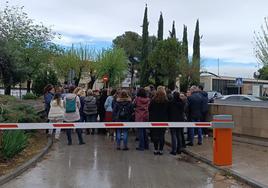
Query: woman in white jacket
56	113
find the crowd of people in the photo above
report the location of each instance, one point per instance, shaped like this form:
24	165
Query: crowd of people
148	104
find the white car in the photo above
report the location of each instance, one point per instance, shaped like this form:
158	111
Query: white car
239	98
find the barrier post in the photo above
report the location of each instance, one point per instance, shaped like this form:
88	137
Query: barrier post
222	139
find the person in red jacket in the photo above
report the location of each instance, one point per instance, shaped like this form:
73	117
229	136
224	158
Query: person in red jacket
141	104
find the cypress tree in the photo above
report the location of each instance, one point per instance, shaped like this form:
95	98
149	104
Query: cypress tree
145	71
196	56
172	33
160	32
185	41
184	62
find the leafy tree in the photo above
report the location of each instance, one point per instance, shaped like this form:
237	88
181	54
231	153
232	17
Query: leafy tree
261	43
145	70
9	66
113	63
195	73
172	33
164	61
24	42
43	78
76	60
130	42
263	73
160	33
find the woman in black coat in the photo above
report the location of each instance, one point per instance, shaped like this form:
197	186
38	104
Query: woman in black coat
158	112
176	114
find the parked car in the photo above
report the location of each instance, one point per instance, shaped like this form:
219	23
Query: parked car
212	95
239	98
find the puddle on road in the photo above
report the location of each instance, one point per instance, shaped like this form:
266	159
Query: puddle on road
217	179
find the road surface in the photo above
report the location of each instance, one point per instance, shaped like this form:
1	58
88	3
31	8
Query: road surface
98	165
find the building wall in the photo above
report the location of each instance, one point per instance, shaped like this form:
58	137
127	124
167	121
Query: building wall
206	81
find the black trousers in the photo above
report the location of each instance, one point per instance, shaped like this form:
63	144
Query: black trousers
158	138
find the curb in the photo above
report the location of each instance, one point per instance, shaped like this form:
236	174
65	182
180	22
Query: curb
236	175
25	166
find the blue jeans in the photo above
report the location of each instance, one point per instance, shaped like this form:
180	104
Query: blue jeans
82	118
176	140
118	137
79	135
191	133
91	118
143	139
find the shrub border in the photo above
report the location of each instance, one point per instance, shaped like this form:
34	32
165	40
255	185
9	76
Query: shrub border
25	166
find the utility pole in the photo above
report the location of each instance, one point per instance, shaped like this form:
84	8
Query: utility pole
218	88
218	67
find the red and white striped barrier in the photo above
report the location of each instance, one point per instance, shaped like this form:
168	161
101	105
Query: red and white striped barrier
25	126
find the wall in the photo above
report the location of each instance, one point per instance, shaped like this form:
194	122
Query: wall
252	121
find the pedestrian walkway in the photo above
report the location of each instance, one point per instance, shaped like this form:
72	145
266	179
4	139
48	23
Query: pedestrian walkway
99	165
250	161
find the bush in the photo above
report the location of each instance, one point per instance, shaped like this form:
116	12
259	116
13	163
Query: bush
19	114
29	96
13	142
44	78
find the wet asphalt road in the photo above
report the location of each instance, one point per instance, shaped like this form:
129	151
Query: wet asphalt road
98	165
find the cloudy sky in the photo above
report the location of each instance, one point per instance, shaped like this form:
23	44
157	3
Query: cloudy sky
227	26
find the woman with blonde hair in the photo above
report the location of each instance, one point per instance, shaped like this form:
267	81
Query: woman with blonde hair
158	112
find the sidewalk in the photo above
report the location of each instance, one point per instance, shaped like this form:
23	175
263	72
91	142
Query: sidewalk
249	161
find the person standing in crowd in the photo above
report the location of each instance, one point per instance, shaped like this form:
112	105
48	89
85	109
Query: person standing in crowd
141	105
122	112
82	94
204	107
101	108
109	109
72	105
169	94
195	102
184	99
48	97
56	113
158	112
90	109
176	114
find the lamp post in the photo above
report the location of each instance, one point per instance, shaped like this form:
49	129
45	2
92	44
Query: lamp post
256	75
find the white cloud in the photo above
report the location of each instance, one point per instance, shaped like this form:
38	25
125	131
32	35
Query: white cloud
227	26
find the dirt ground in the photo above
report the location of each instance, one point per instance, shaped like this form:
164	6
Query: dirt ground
36	143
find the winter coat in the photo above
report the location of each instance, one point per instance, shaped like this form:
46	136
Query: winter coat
204	102
74	116
122	110
141	105
102	101
158	112
90	106
195	102
176	110
56	112
82	102
48	97
108	104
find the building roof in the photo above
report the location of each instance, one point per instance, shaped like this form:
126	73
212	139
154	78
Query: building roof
234	78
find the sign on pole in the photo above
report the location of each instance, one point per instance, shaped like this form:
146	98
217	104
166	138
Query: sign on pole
239	83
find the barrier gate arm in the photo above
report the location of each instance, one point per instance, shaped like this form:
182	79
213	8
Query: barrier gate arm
222	126
25	126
